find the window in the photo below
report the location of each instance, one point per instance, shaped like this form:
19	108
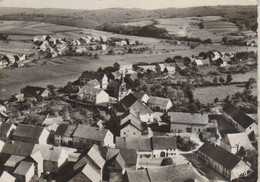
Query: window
134	133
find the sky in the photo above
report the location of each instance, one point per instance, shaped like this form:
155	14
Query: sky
102	4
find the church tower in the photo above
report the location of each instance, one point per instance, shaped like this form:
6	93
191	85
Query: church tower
122	91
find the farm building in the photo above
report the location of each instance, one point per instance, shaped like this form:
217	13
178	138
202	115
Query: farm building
234	141
224	162
94	95
159	103
241	121
186	122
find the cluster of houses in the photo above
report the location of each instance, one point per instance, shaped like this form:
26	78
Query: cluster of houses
111	150
13	60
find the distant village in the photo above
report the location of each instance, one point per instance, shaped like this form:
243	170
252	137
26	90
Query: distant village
124	123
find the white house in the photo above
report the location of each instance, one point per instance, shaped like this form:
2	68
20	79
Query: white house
233	142
31	134
123	67
24	171
241	121
159	103
6	130
85	135
143	97
224	162
93	83
130	125
94	95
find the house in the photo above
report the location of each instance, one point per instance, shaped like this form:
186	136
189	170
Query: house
130	125
55	159
63	134
2	108
131	102
18	97
86	135
123	67
87	76
103	47
197	62
94	95
148	147
234	141
186	122
148	67
217	55
92	165
80	49
24	172
224	162
37	159
241	121
143	97
116	75
44	46
93	83
180	173
6	177
12	162
3	63
6	130
49	120
205	62
159	103
31	134
37	92
170	69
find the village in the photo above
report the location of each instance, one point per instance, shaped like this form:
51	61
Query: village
132	122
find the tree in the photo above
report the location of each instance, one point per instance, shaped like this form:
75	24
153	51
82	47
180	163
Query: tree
221	79
110	52
167	161
216	100
229	78
215	80
130	50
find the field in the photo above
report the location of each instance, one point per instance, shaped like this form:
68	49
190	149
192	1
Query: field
59	71
207	27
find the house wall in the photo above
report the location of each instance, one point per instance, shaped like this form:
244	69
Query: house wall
146	117
102	97
50	166
5	137
226	147
183	128
104	82
145	154
233	122
169	105
109	139
130	131
158	153
82	142
252	127
241	168
29	174
43	139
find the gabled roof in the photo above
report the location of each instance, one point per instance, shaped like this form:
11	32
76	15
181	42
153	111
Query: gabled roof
137	176
172	173
129	156
18	148
164	142
188	118
54	154
89	132
90	90
238	140
5	128
220	155
37	156
6	177
28	131
14	160
239	116
116	74
51	120
92	75
23	168
145	144
205	61
158	100
65	130
93	83
95	155
33	91
131	102
129	118
91	173
139	95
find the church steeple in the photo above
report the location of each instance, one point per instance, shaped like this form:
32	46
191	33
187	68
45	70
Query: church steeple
122	91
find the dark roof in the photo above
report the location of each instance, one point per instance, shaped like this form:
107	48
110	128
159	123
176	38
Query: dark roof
128	100
129	155
239	116
164	142
89	132
4	128
137	176
92	75
28	131
18	148
145	144
139	95
65	130
32	91
220	155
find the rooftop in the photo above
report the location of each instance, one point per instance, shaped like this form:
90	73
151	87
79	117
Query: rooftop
5	128
188	118
89	132
164	142
65	130
23	168
220	155
158	100
28	131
